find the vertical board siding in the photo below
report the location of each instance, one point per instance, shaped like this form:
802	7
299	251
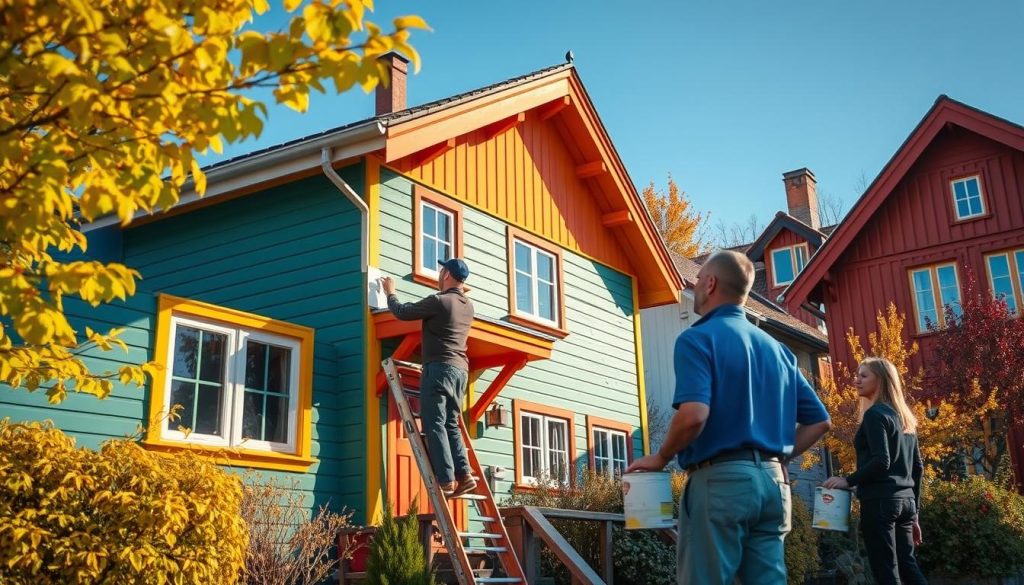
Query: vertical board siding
786	238
591	372
527	176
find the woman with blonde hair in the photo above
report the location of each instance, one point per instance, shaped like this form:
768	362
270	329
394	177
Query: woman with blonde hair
888	476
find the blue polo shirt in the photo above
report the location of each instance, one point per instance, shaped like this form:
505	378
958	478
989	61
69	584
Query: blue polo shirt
751	383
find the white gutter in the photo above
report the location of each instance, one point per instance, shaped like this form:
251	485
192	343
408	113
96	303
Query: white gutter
273	164
364	211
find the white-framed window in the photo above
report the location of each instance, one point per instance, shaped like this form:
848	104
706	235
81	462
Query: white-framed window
610	451
236	387
1006	277
935	287
967	198
437	236
536	282
544	448
787	263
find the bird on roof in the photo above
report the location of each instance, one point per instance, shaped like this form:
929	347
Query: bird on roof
569	56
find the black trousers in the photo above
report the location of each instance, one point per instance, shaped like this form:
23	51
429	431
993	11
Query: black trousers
887	526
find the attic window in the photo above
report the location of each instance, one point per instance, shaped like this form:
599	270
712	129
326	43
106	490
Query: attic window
967	198
787	263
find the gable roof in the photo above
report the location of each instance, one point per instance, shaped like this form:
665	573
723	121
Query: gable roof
783	221
945	111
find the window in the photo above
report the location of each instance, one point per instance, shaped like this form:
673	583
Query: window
967	197
935	287
787	263
544	443
536	296
438	233
238	381
1006	277
610	451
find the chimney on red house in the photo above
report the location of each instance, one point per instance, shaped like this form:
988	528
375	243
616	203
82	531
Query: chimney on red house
392	98
802	196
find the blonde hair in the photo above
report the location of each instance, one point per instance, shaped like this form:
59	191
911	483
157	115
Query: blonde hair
890	391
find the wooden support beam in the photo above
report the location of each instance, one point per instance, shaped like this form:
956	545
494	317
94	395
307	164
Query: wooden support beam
617	218
591	169
502	126
552	109
430	153
485	400
406	348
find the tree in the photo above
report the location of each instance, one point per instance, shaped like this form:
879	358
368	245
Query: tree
978	364
683	229
943	429
103	105
738	234
831	208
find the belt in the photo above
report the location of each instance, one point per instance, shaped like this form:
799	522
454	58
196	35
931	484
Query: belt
755	455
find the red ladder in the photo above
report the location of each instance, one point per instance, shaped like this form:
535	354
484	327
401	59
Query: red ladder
494	537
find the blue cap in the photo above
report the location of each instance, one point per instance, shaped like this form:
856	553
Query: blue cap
456	267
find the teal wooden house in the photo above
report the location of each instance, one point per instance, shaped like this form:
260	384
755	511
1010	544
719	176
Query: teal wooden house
258	298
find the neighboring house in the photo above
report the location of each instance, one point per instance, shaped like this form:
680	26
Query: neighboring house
946	205
785	242
255	297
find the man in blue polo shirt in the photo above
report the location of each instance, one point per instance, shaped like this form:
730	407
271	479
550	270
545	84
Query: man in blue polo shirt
743	409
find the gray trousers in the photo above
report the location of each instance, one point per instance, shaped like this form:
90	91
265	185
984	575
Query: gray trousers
442	392
733	518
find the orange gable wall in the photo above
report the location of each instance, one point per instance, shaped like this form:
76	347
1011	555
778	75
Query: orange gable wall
526	176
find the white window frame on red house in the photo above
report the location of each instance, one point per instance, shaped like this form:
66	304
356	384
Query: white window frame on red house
968	198
796	258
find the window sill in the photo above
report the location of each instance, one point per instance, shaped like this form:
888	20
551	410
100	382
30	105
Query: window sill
235	457
957	221
425	279
551	330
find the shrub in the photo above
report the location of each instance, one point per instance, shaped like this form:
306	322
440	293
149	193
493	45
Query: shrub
120	515
396	554
801	545
991	517
286	546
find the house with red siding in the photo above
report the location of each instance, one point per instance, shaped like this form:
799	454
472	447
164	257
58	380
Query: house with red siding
946	205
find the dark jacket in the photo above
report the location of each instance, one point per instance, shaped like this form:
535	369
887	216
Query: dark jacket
447	317
888	460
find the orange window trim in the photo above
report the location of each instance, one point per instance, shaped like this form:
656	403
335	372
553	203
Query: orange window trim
594	422
559	330
420	196
238	456
519	406
940	312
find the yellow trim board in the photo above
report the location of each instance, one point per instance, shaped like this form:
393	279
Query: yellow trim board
374	427
641	388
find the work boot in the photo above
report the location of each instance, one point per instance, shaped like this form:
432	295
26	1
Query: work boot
465	485
448	489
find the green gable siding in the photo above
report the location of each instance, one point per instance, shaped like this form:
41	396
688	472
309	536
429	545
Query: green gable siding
591	372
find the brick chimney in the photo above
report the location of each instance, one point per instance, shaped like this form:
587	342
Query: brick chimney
392	98
802	196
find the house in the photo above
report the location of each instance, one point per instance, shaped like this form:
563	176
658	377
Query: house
947	204
778	254
257	296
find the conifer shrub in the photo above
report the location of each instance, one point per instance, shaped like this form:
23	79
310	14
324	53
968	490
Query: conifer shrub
121	515
396	554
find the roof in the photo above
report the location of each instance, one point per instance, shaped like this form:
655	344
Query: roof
782	220
945	111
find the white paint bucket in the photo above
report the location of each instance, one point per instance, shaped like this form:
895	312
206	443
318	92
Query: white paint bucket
831	509
647	500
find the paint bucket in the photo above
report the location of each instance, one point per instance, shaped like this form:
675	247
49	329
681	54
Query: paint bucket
647	500
831	509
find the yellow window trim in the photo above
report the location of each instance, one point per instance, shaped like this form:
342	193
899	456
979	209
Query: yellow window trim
940	308
169	306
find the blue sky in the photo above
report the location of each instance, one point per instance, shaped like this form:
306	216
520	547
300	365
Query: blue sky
725	95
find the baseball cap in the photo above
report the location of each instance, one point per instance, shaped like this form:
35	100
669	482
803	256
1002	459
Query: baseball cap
456	267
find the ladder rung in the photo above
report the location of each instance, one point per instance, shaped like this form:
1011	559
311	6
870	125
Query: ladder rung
498	580
479	535
486	519
410	365
470	497
476	549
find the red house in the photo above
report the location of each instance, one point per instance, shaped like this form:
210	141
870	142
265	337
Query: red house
949	201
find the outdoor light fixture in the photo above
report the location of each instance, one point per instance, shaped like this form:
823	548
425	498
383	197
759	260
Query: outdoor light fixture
497	416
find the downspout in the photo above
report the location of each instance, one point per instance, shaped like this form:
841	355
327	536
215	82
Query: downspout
364	211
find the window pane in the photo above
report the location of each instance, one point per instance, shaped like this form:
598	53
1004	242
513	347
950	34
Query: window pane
429	221
444	227
276	425
255	365
208	409
1019	256
444	252
949	292
532	462
801	259
183	393
524	293
975	205
252	415
430	255
546	301
972	187
600	443
186	352
925	301
960	189
545	267
963	208
782	264
1002	282
524	258
212	358
279	369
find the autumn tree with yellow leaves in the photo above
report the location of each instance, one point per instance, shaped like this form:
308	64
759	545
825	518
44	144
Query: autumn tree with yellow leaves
103	107
943	429
683	229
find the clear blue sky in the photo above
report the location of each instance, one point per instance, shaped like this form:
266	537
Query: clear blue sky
725	95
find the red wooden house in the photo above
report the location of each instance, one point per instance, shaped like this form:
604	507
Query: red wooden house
947	203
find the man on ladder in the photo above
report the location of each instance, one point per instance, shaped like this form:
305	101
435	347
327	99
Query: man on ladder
447	317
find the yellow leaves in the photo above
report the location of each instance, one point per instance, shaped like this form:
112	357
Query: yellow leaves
260	6
291	5
681	228
410	21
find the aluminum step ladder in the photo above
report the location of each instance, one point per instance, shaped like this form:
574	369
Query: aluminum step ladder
494	538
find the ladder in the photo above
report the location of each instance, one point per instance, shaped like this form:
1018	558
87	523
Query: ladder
494	538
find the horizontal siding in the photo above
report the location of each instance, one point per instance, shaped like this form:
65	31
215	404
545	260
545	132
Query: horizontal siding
591	372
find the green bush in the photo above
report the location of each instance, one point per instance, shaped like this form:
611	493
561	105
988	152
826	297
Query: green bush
972	528
396	553
122	515
801	546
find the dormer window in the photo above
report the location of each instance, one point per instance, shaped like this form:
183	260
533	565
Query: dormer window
787	263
